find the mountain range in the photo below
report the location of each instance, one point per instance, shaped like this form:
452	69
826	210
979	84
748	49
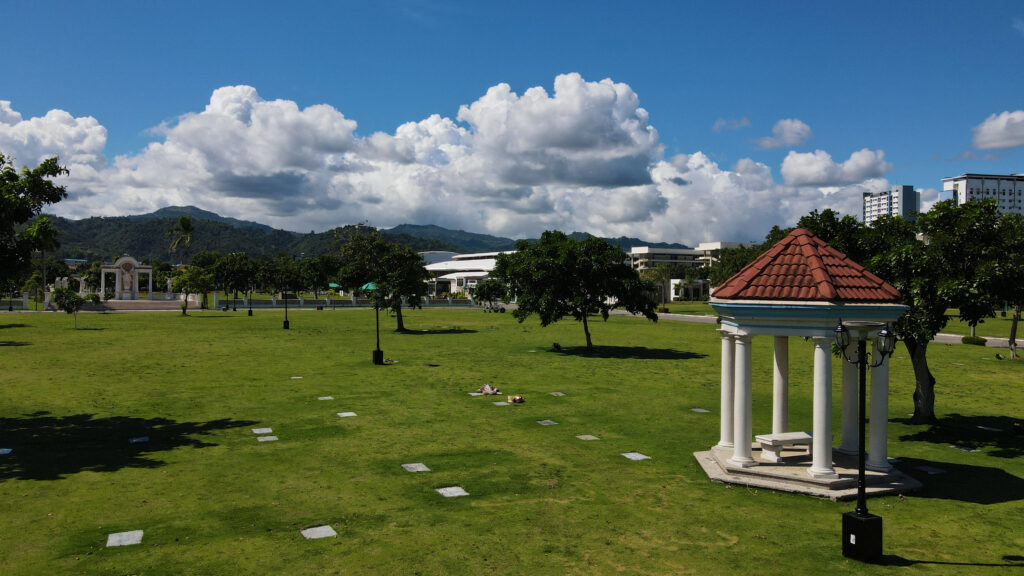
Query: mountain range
145	236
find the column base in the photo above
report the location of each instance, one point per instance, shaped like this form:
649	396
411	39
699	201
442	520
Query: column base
847	451
823	473
725	444
878	467
742	462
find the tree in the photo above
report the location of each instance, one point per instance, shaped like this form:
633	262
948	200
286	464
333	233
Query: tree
235	272
490	290
207	260
182	234
282	275
396	270
22	197
1009	272
192	280
558	276
69	301
44	236
318	271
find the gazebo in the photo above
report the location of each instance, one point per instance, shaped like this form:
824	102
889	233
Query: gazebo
801	287
126	284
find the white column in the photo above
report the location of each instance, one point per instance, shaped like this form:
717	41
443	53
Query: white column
821	458
780	389
728	373
149	285
878	454
848	442
103	283
741	430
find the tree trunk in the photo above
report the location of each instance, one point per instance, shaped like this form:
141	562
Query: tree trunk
586	330
924	389
398	315
1013	331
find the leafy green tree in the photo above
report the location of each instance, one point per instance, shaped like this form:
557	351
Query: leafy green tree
318	271
69	301
22	196
558	276
182	234
207	260
192	280
396	270
490	290
1009	270
235	272
732	260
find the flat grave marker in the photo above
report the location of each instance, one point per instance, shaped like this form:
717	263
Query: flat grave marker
5	451
262	430
318	532
124	538
346	414
416	467
325	398
500	403
636	456
452	492
990	429
138	439
296	377
267	438
963	448
931	470
700	410
587	437
476	393
546	422
558	394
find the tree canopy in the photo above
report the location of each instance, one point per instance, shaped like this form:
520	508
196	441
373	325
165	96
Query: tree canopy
396	270
22	197
558	276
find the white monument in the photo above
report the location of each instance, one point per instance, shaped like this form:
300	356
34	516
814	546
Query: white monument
126	284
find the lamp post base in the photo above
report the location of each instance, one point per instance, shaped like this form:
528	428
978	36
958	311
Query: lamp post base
285	324
378	357
862	536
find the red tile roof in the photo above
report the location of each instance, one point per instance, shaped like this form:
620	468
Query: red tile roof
803	267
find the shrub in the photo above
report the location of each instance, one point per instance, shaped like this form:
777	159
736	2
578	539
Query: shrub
974	340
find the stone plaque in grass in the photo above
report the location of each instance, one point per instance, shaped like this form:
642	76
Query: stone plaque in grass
501	403
931	470
587	437
346	414
636	456
964	448
416	467
476	393
296	377
267	438
318	532
124	538
989	429
262	430
5	451
138	439
558	394
699	410
325	398
546	422
452	492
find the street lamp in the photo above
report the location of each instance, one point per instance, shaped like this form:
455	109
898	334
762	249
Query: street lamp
862	532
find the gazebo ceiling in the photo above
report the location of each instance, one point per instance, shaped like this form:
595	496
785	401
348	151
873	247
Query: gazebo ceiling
803	268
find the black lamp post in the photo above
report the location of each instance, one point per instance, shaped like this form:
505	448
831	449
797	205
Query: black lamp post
378	354
862	531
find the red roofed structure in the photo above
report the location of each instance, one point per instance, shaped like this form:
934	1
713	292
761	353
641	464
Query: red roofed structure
802	267
801	287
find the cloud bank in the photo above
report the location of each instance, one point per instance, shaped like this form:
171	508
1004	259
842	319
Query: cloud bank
583	157
787	132
1000	131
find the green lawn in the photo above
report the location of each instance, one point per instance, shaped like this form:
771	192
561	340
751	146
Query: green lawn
998	327
692	308
213	500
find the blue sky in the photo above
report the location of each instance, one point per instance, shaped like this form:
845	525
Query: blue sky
717	120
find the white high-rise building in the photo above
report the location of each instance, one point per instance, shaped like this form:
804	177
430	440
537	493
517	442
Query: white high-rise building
1007	189
897	201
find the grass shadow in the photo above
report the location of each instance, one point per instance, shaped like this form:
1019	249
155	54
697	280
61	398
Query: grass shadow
49	447
2	326
628	352
12	343
436	331
1001	436
1009	561
963	482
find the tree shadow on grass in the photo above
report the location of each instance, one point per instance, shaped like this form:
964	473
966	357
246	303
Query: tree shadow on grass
13	343
436	331
1000	436
48	447
628	352
963	482
1009	561
2	326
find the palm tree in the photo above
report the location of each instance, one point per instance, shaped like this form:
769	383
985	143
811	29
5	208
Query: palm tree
182	234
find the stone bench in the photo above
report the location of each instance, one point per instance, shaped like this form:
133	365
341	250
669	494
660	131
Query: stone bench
773	444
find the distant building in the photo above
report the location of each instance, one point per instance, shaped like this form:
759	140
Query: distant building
706	253
897	201
460	273
1007	189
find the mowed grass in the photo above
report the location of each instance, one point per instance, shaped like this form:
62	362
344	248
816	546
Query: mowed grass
213	500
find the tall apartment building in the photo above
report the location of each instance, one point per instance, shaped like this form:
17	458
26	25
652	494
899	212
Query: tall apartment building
897	201
1007	189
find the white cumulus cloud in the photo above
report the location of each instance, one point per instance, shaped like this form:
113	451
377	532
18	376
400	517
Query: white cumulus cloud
581	157
998	131
818	169
787	132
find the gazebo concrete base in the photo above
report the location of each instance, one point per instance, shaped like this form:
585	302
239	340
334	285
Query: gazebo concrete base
791	475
